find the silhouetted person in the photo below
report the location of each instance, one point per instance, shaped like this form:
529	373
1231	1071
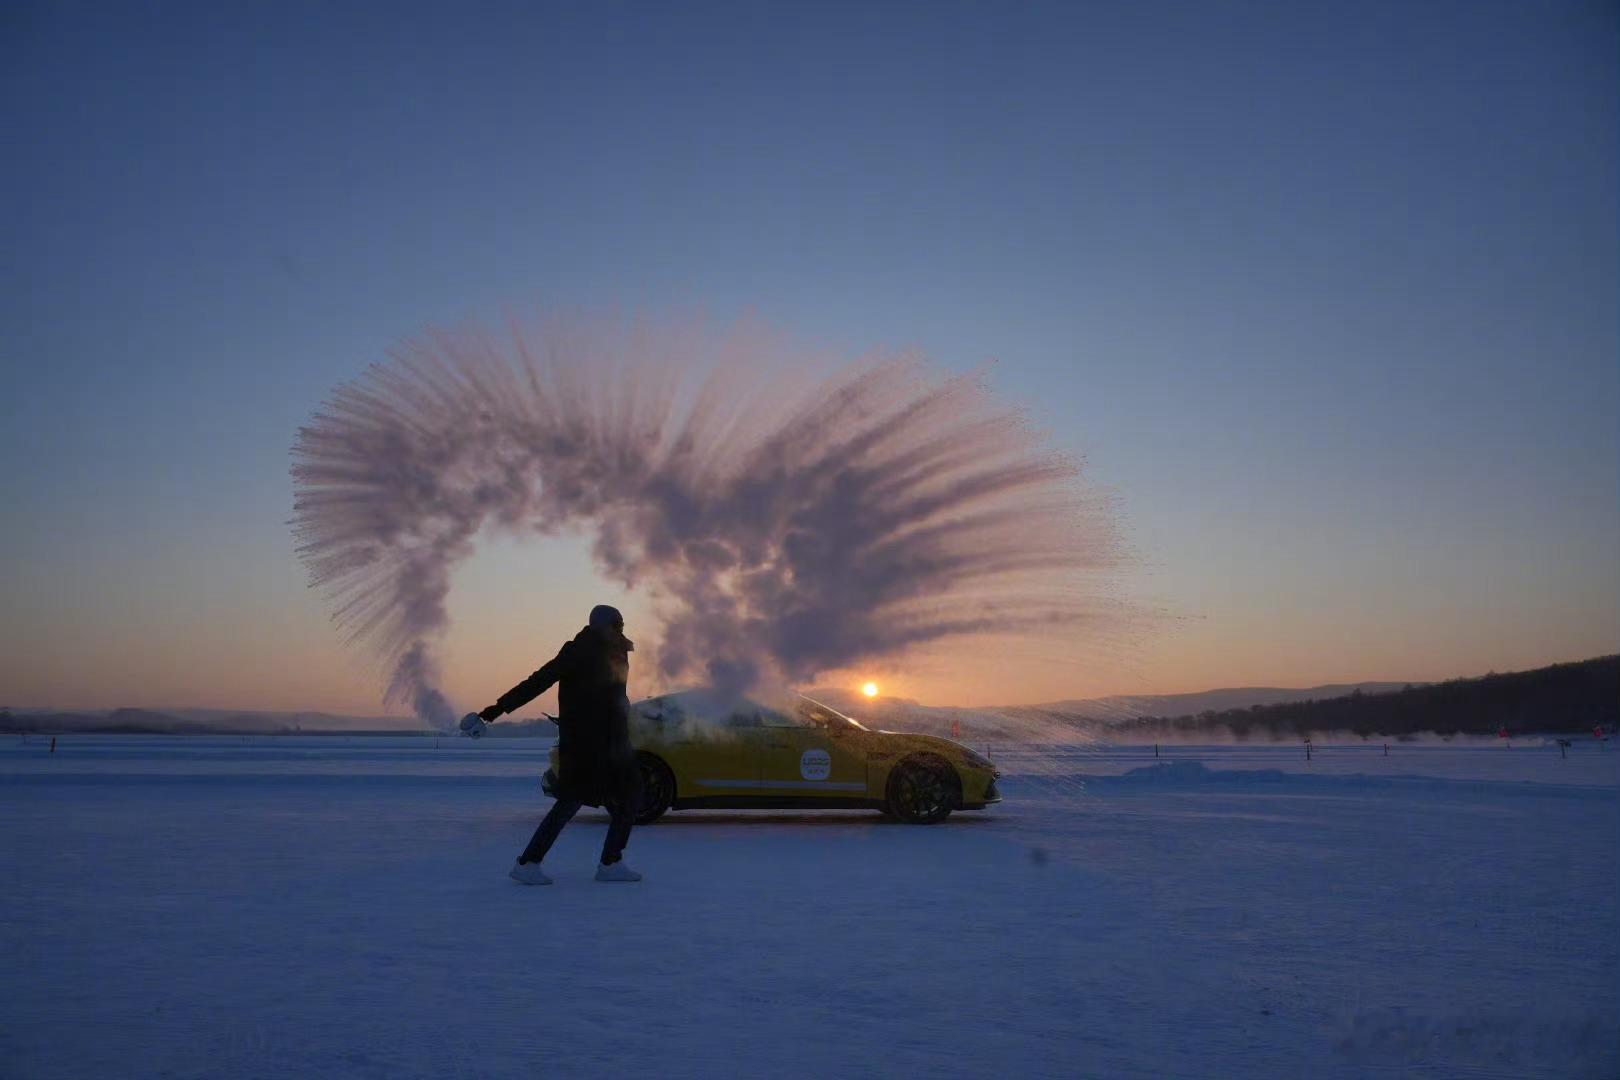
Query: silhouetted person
596	765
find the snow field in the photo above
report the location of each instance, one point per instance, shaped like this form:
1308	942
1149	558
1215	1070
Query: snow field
337	907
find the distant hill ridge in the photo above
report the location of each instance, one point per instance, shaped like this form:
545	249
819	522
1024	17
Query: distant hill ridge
1060	720
1135	705
128	721
1560	698
1556	700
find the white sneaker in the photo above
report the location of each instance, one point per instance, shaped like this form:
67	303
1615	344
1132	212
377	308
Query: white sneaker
529	874
616	872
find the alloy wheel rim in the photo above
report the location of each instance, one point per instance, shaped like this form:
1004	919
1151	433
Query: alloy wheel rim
922	792
655	789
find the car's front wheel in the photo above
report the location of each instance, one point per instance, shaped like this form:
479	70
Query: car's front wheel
921	792
657	789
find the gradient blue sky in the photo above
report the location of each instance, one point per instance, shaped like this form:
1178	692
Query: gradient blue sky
1326	292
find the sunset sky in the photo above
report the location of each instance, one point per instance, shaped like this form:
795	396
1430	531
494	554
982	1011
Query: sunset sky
1328	295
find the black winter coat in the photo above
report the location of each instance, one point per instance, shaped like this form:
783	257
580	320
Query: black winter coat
593	715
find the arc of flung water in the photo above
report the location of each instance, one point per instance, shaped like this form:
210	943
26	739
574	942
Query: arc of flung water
785	525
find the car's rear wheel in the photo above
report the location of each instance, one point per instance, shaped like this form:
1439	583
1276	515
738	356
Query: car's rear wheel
657	789
922	792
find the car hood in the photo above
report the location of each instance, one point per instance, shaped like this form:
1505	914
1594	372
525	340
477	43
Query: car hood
946	748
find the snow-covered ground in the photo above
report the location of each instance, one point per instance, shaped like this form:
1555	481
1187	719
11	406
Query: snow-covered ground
335	907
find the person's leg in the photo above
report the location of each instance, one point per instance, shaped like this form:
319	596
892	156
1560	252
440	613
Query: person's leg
561	813
623	809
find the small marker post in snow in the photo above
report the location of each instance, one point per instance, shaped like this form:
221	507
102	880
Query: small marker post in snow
1386	749
1155	749
1307	748
1563	748
53	744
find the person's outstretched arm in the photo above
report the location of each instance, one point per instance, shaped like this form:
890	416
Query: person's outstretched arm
532	687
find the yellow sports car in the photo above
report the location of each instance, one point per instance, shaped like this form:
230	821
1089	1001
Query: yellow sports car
696	751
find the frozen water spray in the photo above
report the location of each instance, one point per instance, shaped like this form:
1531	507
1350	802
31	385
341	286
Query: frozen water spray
788	513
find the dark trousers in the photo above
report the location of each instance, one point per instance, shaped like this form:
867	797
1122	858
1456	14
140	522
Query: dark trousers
621	807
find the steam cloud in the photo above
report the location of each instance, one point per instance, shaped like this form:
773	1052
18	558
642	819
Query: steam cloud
785	525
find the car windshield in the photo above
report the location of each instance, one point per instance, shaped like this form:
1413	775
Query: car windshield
705	708
822	716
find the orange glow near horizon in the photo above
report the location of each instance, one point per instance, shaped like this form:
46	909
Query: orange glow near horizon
516	601
870	689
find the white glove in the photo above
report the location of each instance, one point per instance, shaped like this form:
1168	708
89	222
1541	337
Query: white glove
473	725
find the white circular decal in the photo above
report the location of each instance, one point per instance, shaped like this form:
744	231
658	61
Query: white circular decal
815	764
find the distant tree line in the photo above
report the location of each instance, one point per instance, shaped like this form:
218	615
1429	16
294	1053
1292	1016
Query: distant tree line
1556	700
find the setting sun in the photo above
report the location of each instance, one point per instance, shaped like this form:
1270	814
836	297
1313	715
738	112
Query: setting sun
870	689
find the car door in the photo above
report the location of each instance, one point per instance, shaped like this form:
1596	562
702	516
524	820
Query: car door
801	758
718	760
